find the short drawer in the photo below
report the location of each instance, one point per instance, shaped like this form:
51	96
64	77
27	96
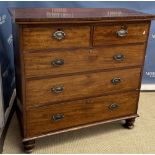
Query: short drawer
62	62
120	33
48	37
43	91
51	118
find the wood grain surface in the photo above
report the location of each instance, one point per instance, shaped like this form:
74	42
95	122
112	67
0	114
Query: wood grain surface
39	64
107	34
38	92
40	37
32	15
40	120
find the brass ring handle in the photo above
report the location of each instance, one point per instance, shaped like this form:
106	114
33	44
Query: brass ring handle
59	35
57	62
113	106
118	57
58	117
57	89
116	80
122	33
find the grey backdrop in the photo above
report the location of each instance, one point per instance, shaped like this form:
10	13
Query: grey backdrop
6	52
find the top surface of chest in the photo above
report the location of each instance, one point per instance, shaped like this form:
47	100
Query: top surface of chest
75	14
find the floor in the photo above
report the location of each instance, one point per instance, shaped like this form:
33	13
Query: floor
107	138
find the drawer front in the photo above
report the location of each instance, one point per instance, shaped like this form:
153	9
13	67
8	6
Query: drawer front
40	92
118	34
49	37
70	114
62	62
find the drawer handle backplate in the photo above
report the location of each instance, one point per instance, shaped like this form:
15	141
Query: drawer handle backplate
57	89
122	33
116	80
57	62
59	35
58	117
113	106
118	57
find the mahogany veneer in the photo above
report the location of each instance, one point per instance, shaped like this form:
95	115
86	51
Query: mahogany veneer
44	39
80	112
39	92
40	63
77	68
106	34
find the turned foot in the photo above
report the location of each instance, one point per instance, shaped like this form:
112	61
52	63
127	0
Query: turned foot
129	124
28	146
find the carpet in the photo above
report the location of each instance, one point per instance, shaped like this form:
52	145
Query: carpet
106	138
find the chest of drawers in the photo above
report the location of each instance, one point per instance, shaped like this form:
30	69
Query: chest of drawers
77	68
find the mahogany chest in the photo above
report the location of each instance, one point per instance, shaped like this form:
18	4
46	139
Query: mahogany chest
77	68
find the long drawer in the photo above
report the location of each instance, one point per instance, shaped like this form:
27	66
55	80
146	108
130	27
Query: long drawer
62	62
42	91
46	119
42	37
121	33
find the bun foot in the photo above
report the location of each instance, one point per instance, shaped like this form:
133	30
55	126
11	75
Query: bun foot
129	124
28	146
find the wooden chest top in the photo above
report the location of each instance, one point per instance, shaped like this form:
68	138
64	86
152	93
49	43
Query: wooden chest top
32	15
